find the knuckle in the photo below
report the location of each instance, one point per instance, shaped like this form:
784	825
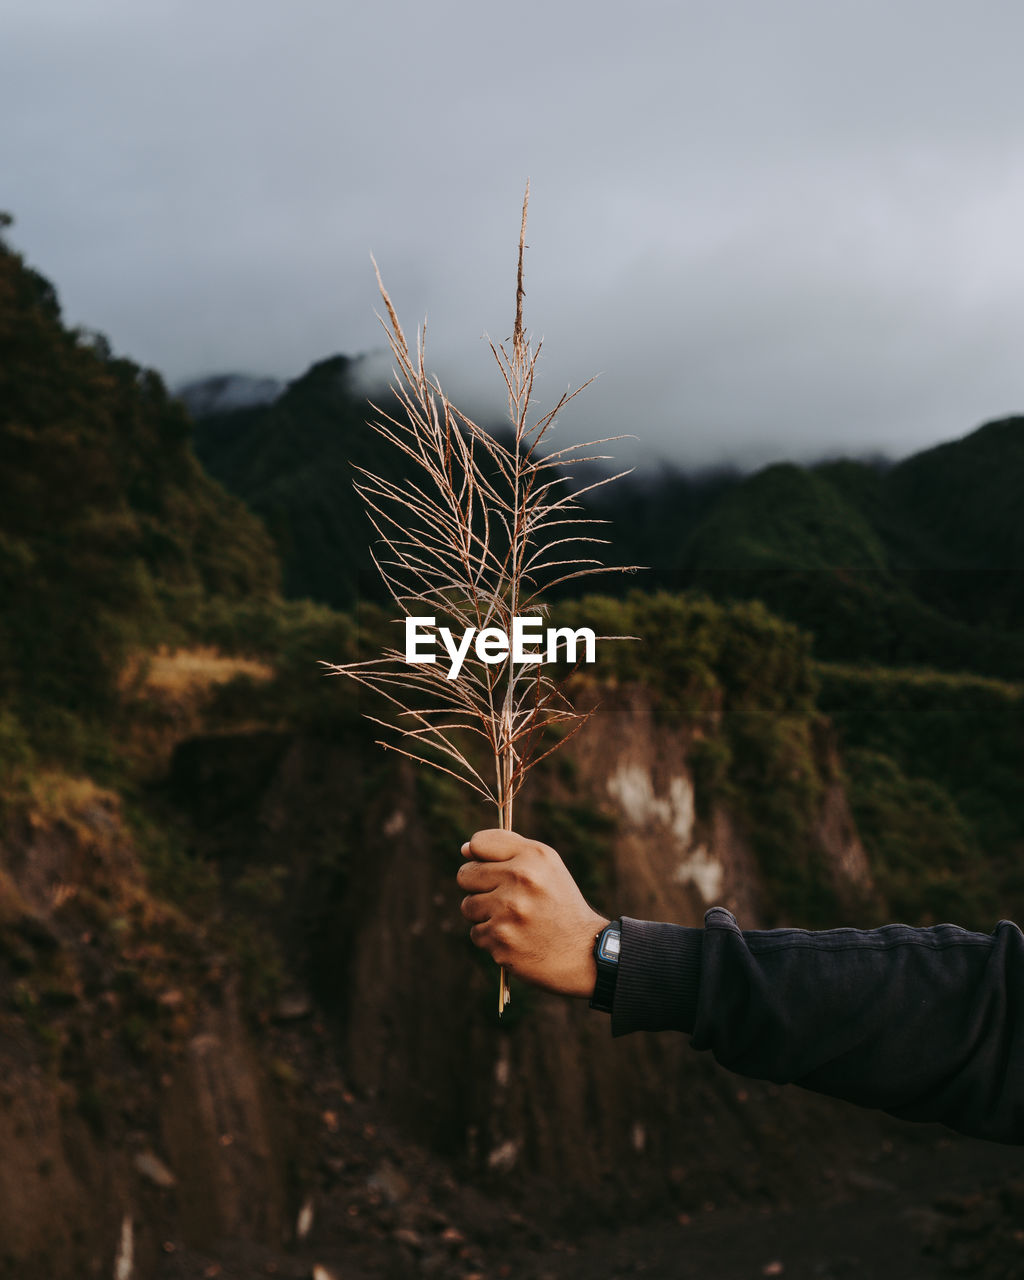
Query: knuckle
524	877
547	857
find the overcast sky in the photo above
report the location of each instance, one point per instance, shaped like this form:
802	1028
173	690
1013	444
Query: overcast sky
775	230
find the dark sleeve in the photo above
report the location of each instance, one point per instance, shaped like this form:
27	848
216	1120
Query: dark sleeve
927	1024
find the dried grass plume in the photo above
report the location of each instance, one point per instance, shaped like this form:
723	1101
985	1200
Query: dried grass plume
477	534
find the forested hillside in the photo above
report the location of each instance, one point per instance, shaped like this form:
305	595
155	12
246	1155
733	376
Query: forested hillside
914	563
293	462
111	534
919	563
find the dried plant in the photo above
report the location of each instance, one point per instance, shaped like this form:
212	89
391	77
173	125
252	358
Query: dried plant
478	535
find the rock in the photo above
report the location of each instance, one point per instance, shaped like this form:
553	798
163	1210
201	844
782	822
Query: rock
865	1182
925	1223
386	1181
293	1006
37	933
153	1168
304	1225
124	1263
504	1156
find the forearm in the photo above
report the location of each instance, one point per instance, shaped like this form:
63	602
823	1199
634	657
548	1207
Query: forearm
927	1024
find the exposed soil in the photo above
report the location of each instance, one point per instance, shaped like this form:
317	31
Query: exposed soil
923	1205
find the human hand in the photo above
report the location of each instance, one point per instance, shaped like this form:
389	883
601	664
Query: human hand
528	913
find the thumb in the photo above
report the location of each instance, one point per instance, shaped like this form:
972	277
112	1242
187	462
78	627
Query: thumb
493	845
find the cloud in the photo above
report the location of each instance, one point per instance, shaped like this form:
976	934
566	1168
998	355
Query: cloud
773	230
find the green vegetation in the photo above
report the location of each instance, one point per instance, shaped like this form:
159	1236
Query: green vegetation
110	531
785	518
933	766
860	557
293	463
965	498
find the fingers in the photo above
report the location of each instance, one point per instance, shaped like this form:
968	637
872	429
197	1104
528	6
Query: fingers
480	936
476	907
494	845
488	869
479	877
488	939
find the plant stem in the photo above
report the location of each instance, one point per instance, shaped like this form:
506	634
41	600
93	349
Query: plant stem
505	818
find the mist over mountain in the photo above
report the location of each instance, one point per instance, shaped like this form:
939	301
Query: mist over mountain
223	392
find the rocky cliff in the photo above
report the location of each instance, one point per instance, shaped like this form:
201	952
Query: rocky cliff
165	1107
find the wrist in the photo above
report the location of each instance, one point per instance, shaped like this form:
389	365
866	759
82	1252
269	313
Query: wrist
607	945
585	967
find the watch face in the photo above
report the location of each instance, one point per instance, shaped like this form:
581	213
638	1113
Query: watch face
610	946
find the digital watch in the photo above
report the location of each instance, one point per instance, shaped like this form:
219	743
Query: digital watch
607	945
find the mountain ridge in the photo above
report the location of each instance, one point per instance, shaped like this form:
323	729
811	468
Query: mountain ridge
909	562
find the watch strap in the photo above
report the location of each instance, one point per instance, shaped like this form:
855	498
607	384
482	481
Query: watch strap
606	957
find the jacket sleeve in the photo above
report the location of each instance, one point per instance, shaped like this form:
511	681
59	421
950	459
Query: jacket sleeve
927	1024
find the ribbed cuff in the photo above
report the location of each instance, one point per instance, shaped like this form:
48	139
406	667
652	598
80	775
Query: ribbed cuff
658	979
